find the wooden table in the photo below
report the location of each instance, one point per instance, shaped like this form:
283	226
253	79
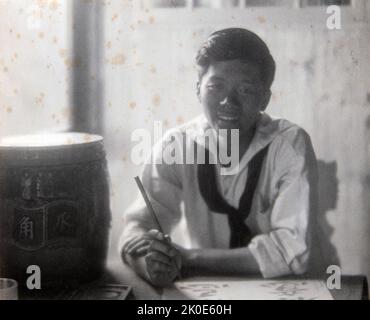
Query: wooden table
353	287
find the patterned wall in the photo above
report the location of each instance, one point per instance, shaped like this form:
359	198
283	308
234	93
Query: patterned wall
35	65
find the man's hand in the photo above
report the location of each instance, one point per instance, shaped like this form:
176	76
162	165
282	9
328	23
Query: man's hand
163	260
138	246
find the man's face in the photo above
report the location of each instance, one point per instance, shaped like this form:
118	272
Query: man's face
233	95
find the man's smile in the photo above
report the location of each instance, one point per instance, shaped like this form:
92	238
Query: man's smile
228	114
227	117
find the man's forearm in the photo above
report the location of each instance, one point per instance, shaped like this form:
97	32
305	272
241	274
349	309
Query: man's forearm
220	261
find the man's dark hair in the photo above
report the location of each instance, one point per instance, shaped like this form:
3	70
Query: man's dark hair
237	44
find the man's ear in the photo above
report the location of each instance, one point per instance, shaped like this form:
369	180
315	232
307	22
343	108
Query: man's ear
265	99
198	91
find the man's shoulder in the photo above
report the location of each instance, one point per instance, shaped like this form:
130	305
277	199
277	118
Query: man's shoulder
291	134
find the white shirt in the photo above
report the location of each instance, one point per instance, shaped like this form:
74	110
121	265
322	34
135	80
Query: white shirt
282	207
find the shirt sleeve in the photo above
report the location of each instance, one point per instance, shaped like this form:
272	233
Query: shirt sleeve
286	248
163	187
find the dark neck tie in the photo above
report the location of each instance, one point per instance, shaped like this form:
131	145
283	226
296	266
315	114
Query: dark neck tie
240	233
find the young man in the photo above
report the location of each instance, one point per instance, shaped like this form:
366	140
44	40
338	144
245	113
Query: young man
255	221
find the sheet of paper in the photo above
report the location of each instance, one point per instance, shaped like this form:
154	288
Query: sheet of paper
248	290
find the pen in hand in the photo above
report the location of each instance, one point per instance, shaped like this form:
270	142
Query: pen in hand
154	216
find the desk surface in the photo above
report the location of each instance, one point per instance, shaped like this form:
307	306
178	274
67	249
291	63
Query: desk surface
353	287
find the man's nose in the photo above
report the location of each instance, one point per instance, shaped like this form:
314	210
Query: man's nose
229	100
224	101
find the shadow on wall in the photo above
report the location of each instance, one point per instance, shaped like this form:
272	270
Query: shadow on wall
325	253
